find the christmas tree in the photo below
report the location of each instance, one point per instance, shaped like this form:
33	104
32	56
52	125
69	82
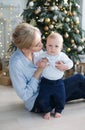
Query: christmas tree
61	16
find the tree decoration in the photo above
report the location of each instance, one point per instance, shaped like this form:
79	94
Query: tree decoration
62	16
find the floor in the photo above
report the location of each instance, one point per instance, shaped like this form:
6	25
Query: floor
13	115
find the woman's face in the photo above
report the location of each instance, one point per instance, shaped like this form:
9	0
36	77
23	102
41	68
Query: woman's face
37	44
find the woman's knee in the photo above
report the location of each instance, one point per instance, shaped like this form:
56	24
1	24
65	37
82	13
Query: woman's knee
79	77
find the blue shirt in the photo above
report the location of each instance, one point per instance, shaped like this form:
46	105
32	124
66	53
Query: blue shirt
21	73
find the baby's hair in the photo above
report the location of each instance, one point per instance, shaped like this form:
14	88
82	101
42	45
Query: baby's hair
24	35
57	36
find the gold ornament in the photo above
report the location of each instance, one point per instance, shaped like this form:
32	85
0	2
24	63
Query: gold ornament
70	13
83	39
46	28
53	23
51	8
66	35
76	22
68	49
52	32
65	11
72	41
36	12
77	31
46	33
47	20
73	13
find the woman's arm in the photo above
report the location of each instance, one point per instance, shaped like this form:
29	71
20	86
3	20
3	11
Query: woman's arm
24	85
25	78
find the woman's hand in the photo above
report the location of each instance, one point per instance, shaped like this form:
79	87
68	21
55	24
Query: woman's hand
61	66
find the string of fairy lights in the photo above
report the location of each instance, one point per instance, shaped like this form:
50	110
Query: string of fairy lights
9	17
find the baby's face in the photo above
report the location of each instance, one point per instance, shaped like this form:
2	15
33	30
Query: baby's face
53	46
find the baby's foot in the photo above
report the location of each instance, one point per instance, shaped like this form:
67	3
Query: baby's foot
57	115
47	116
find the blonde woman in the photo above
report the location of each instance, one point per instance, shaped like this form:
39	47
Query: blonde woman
25	76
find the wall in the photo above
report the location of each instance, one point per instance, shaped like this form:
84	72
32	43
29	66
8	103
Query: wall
10	16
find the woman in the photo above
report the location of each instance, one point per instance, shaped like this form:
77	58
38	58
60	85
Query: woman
25	75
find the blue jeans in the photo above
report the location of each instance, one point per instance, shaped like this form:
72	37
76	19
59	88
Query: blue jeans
74	87
51	95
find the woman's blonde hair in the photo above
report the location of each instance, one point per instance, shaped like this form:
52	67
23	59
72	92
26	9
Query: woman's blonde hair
24	35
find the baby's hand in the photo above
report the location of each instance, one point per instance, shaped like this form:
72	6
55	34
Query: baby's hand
44	60
61	66
42	63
